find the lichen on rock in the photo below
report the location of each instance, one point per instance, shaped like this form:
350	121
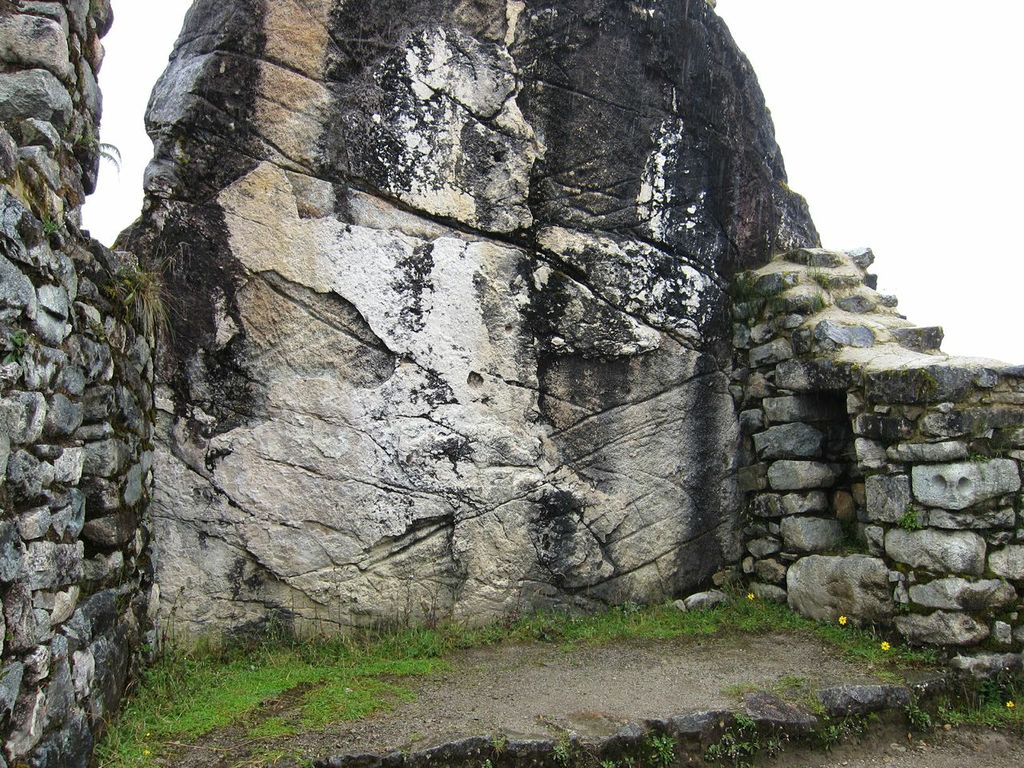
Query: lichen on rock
452	335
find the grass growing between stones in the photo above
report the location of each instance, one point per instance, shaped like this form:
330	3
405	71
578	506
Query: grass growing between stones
184	696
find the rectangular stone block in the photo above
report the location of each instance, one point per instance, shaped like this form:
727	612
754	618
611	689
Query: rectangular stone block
35	41
959	486
888	498
800	475
813	503
928	453
938	552
1000	519
1008	563
822	376
957	594
771	353
35	93
789	441
942	628
811	534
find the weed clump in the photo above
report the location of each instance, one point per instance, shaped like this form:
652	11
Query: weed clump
139	294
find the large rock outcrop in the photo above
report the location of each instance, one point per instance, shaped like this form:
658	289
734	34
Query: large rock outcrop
450	327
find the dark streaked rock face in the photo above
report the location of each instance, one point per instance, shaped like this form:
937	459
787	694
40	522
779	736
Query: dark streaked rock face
450	324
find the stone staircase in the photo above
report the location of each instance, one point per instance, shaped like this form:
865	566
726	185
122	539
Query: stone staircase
883	476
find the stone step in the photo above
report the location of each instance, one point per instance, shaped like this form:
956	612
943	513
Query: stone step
919	339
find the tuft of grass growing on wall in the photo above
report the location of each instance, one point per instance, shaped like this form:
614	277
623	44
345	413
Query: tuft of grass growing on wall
140	295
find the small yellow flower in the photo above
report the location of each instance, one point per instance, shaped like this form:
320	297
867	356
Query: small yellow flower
751	596
1011	705
842	621
146	752
886	647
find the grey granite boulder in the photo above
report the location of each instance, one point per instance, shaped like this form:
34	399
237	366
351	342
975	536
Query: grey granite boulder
856	586
811	534
831	334
941	628
1008	562
703	601
936	551
888	498
789	441
858	700
34	93
448	358
956	594
800	475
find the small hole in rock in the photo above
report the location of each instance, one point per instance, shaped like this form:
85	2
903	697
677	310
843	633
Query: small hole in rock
475	379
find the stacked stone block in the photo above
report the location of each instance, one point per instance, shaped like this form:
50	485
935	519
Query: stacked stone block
883	477
75	402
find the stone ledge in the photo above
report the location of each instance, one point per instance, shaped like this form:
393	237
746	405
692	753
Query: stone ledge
693	732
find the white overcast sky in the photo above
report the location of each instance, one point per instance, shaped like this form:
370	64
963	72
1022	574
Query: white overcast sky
900	121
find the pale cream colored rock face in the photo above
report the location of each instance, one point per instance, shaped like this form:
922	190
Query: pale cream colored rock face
416	447
352	480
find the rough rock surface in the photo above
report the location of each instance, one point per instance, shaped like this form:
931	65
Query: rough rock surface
826	588
942	628
76	421
959	486
450	331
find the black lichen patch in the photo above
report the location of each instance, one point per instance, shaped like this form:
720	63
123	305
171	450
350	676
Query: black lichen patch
605	79
184	236
200	279
434	391
454	448
553	530
412	281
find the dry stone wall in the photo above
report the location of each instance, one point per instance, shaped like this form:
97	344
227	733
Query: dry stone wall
884	478
75	402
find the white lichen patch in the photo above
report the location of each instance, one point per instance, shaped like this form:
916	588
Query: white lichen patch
656	191
660	288
460	88
513	10
658	203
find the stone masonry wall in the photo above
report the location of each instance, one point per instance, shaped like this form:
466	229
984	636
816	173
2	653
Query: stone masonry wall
75	401
883	477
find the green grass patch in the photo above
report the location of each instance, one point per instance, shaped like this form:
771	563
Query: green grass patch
184	696
995	703
272	728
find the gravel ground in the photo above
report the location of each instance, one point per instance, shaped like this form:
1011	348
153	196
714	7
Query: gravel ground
540	690
966	748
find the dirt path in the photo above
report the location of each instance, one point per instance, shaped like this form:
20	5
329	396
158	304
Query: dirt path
540	690
957	749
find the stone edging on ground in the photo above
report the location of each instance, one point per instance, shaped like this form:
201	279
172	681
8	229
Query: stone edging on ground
693	733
